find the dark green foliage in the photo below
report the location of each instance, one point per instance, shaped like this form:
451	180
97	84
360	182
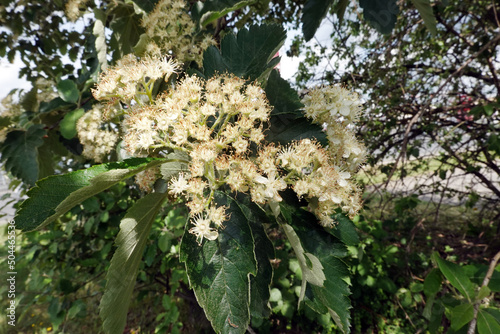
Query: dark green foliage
331	296
381	14
126	30
249	54
287	120
20	153
345	230
425	10
313	13
282	96
219	271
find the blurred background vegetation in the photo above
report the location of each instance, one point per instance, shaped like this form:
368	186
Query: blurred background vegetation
428	74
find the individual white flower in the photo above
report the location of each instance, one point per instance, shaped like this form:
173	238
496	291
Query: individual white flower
178	185
202	229
240	145
330	196
271	186
217	215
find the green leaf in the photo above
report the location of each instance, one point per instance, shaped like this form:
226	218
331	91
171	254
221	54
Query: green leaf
483	292
219	270
20	153
340	8
122	272
486	323
4	121
29	100
494	143
313	13
288	123
247	55
76	307
99	32
53	105
425	10
127	29
494	284
432	282
264	252
68	123
140	47
461	315
320	248
178	164
381	14
68	91
285	129
260	284
345	230
429	303
57	194
495	312
282	96
455	274
215	9
311	267
146	5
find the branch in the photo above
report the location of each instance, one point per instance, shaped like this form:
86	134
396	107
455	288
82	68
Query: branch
424	108
464	164
437	71
486	281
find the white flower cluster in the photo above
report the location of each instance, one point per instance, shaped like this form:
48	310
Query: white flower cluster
74	9
338	109
172	31
132	79
97	136
215	122
215	128
313	175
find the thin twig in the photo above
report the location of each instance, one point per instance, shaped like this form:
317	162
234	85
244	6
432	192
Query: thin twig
486	281
424	108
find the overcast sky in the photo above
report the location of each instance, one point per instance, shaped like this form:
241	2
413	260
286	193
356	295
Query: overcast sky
9	77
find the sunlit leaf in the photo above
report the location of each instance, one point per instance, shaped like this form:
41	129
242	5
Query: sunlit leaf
122	272
457	277
461	315
486	323
68	123
55	195
68	91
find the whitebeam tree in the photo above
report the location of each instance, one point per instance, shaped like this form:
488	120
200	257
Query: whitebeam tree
198	117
